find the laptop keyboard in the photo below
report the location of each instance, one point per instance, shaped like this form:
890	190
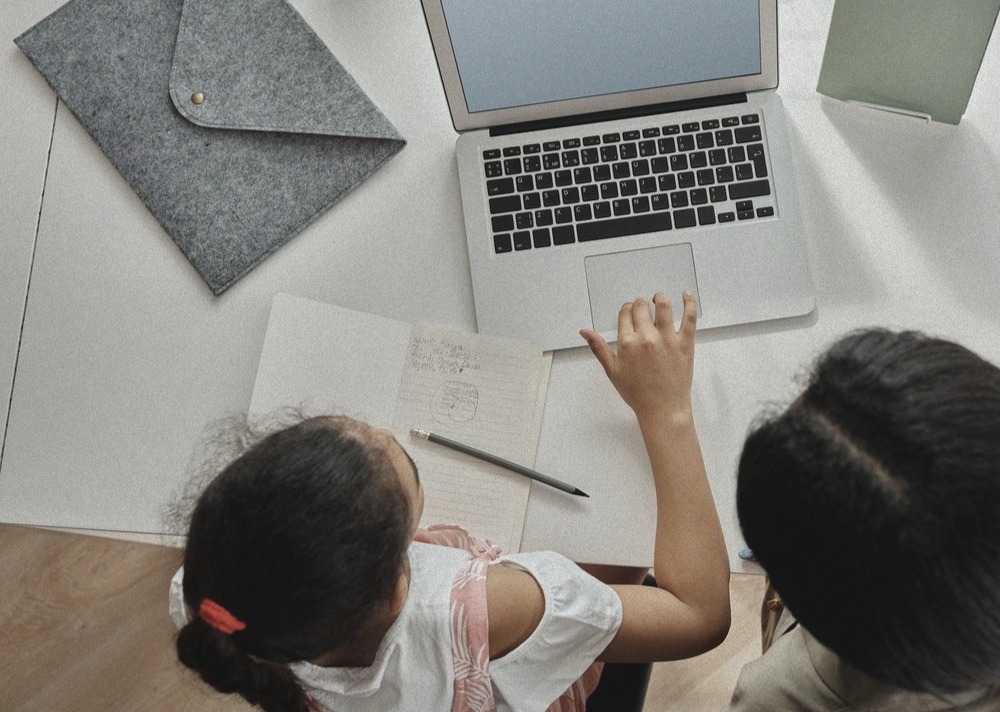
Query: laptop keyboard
646	180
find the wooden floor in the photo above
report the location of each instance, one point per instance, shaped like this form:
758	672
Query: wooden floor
84	626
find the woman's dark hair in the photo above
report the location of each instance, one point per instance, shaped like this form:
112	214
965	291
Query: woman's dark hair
302	538
873	502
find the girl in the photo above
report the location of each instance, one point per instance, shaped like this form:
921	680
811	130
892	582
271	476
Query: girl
308	585
873	502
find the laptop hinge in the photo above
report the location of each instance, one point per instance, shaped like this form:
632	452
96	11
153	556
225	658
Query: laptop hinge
615	114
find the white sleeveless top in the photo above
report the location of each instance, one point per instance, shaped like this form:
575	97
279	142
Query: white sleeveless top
414	667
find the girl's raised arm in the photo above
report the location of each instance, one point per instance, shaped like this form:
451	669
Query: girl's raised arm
688	612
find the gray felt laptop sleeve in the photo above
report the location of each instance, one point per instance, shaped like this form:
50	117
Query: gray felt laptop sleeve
230	119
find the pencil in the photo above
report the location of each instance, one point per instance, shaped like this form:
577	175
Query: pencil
506	464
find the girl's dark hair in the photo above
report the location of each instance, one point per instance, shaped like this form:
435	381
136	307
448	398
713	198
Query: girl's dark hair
302	538
873	503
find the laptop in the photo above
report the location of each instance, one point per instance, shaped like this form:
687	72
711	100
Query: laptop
612	150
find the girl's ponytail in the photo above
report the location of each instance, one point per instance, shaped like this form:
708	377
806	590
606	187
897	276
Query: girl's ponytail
222	664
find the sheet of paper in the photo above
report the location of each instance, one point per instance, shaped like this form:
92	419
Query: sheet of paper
484	392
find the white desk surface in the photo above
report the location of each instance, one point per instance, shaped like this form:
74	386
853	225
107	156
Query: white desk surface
114	355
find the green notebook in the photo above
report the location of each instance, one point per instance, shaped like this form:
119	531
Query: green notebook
919	56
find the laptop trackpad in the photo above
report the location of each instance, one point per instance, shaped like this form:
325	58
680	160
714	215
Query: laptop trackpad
619	277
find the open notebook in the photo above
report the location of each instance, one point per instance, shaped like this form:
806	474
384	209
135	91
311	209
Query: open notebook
483	391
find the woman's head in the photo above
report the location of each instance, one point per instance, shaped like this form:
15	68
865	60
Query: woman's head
303	538
873	502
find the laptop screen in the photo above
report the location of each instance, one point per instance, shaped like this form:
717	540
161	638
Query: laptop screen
511	61
513	53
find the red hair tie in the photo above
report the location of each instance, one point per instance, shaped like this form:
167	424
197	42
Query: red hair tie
219	618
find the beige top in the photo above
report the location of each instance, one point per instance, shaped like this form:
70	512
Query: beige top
800	673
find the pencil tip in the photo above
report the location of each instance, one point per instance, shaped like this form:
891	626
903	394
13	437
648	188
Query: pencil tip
580	493
418	433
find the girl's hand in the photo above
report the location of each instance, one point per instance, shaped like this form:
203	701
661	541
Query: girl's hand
653	366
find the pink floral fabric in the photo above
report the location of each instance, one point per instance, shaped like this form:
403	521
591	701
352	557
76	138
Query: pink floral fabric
470	628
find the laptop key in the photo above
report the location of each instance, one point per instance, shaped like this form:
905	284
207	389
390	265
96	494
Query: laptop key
502	223
621	227
512	166
746	134
723	137
502	243
755	152
542	237
706	215
505	204
543	217
522	240
563	235
685	218
499	186
749	189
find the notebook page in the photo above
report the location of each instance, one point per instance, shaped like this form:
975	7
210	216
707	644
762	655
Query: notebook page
481	391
